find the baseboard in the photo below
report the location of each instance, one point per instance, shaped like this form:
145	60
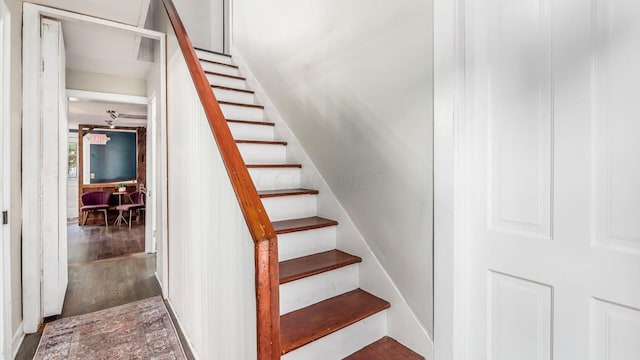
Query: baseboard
163	288
178	324
17	340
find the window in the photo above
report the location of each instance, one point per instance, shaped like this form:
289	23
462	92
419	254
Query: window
73	160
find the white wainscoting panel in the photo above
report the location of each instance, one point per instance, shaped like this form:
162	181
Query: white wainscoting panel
520	319
618	162
211	261
615	331
520	117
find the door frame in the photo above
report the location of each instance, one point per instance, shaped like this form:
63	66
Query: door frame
32	164
450	181
5	240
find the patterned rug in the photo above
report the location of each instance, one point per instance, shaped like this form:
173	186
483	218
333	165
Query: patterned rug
139	330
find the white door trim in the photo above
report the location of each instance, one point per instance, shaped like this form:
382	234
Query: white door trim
5	240
31	212
449	186
152	122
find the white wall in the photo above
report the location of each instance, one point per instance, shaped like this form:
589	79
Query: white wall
203	20
211	279
90	81
354	83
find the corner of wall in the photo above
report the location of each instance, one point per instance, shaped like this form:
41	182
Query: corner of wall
16	341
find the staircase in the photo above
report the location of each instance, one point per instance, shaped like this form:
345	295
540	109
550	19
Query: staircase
324	313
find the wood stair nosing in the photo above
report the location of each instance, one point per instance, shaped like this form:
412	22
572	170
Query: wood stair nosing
241	104
286	192
251	122
273	166
302	224
302	267
261	142
222	87
308	324
218	63
225	75
385	349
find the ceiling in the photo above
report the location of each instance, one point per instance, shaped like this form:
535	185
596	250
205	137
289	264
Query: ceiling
94	48
95	113
99	49
131	12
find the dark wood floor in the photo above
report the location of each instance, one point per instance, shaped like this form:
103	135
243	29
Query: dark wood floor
103	283
96	242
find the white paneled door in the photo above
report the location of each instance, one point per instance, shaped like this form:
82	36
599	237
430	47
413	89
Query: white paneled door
552	172
54	169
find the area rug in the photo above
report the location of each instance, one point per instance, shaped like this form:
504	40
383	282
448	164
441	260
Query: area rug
139	330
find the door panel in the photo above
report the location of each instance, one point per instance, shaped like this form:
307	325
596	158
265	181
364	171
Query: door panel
553	219
54	153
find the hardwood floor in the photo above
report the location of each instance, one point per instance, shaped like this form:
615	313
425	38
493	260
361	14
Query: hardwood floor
98	281
95	242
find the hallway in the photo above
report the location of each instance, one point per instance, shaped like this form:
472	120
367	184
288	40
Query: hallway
98	281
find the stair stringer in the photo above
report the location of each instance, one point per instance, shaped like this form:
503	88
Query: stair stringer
402	324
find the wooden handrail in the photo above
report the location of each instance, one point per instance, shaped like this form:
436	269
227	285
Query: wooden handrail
260	227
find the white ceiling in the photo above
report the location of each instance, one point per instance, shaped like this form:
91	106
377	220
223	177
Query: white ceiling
95	113
99	49
131	12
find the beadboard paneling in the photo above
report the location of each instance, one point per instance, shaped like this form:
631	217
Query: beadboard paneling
211	253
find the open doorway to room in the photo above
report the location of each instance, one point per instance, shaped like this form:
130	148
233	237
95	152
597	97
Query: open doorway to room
108	76
107	153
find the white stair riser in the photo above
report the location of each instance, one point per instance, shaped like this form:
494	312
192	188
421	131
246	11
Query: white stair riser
226	81
275	178
290	207
250	131
242	112
217	68
214	57
263	154
234	96
343	342
310	290
303	243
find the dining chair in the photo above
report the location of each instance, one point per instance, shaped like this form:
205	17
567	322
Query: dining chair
95	201
136	202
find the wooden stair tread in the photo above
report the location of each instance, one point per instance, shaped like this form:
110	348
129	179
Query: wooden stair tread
286	192
218	63
385	349
221	87
305	325
294	225
310	265
268	166
241	104
250	122
225	75
261	142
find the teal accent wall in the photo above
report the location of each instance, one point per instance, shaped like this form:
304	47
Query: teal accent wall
115	161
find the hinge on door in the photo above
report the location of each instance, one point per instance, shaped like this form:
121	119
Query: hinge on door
5	217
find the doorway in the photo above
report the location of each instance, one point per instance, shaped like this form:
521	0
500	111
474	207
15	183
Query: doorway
109	153
90	85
